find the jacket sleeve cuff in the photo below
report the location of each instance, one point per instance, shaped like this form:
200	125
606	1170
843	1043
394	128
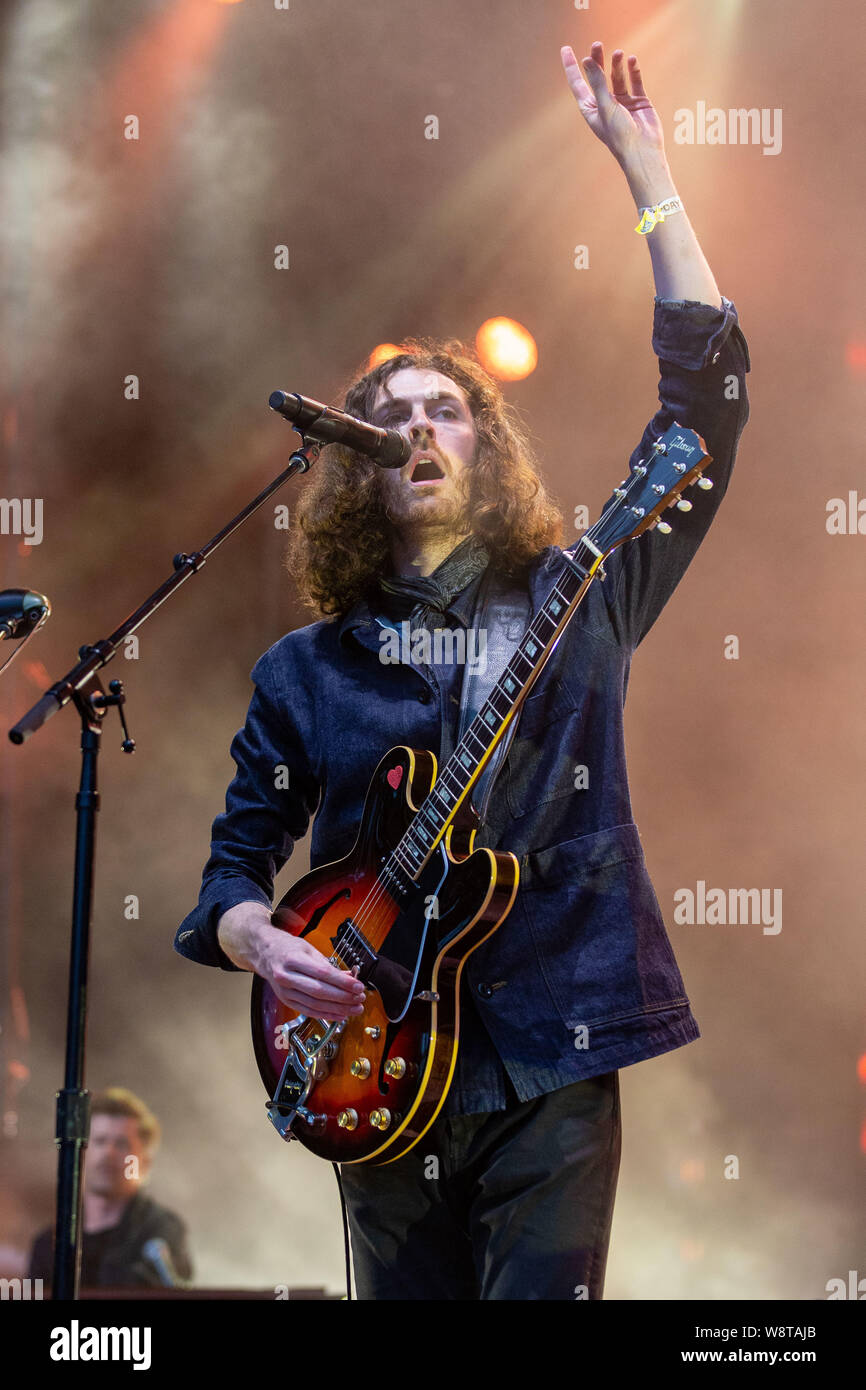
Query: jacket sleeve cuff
691	334
196	937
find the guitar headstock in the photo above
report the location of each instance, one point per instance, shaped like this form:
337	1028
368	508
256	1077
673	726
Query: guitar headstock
674	463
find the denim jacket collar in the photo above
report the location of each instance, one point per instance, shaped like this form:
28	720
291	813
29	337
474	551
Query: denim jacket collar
360	619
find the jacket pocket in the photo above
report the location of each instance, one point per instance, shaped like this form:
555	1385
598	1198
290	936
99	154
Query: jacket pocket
597	929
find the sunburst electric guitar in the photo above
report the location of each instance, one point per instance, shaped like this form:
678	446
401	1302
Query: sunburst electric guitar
413	900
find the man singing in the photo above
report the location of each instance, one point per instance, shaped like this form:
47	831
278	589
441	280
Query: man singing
581	979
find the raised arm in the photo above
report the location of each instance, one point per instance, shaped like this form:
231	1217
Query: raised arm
703	356
624	119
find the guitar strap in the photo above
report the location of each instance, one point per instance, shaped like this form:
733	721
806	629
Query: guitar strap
502	612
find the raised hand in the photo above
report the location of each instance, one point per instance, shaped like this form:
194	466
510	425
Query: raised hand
626	121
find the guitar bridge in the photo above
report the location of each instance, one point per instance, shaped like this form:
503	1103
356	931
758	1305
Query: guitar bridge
281	1117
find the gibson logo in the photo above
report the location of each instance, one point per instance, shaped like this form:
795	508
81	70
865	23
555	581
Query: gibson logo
680	443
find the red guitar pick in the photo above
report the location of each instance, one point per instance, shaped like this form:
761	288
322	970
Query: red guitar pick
395	777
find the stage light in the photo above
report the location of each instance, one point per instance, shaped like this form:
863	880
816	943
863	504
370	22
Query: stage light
506	349
381	354
855	355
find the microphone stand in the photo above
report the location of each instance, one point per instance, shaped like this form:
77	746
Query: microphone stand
82	686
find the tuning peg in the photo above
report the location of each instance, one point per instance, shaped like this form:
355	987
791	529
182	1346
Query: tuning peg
684	505
664	527
705	483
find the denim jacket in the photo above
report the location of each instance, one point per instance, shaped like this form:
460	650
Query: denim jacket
581	977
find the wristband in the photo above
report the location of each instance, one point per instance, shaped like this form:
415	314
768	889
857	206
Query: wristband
650	216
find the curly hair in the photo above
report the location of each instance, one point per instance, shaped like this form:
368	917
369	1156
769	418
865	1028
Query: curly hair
340	535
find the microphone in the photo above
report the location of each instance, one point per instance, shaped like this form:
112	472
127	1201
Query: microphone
327	425
157	1253
20	611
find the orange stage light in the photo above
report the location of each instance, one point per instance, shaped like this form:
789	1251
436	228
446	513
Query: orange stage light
855	355
381	354
506	349
861	1067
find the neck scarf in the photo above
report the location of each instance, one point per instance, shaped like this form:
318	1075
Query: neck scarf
424	600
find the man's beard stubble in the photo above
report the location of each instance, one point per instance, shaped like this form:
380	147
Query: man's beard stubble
453	516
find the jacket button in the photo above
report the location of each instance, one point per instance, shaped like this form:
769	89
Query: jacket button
485	991
425	697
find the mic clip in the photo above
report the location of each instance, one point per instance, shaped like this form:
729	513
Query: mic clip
102	701
306	455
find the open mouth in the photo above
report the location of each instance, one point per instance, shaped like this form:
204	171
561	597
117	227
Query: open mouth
426	470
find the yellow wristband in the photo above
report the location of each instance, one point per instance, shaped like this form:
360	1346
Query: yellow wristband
650	216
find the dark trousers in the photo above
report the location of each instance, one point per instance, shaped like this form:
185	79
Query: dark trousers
512	1204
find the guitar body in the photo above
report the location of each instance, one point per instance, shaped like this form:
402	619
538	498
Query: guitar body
410	940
